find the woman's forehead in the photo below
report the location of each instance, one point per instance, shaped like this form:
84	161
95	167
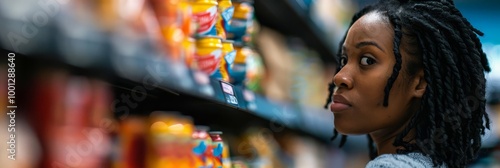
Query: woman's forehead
372	26
373	17
373	22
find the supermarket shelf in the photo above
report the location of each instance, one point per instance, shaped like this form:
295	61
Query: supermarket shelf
290	18
134	69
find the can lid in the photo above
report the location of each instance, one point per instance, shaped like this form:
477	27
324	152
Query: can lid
227	41
211	2
215	132
209	41
243	10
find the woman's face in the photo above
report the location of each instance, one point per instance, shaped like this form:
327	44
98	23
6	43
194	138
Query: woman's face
368	61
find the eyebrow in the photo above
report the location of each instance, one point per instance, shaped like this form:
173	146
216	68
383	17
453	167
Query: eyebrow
365	43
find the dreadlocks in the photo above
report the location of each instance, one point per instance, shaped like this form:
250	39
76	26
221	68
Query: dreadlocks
449	124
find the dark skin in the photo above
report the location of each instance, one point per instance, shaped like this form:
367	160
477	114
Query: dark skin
367	63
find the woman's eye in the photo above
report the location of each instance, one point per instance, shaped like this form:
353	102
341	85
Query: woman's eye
343	61
367	61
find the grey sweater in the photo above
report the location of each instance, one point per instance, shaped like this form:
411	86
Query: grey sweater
411	160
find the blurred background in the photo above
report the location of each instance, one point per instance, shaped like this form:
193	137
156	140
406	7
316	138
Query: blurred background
189	83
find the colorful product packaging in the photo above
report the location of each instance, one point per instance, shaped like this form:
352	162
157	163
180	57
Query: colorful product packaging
208	55
182	129
227	60
239	69
255	72
226	11
241	22
131	143
170	141
166	10
161	147
217	148
186	143
188	24
202	147
188	53
226	161
205	16
168	13
173	37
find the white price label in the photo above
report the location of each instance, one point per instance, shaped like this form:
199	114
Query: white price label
227	88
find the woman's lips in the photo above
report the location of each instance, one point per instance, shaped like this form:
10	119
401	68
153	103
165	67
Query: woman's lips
339	104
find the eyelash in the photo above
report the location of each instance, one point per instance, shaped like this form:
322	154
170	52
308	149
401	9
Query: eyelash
344	58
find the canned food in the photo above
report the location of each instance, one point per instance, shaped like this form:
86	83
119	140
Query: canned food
226	11
255	72
170	143
208	54
202	149
173	37
226	161
228	51
238	71
189	48
166	11
186	156
229	55
187	22
132	135
162	147
243	10
217	148
241	21
226	61
205	16
242	53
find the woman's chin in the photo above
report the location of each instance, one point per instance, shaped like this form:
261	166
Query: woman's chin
344	131
349	131
349	128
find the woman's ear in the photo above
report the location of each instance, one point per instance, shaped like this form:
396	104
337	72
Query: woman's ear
419	84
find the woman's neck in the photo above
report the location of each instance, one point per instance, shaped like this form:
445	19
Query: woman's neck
384	139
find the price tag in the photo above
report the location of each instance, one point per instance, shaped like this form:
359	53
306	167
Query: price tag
229	95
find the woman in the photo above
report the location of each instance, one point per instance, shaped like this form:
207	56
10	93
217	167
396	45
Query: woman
411	77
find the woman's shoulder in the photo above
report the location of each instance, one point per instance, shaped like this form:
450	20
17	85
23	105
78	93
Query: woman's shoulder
410	160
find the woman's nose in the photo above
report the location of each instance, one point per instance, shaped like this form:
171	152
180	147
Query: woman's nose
343	79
